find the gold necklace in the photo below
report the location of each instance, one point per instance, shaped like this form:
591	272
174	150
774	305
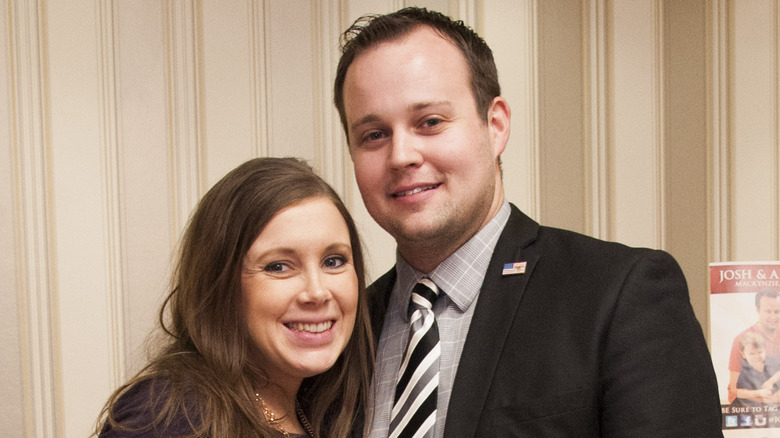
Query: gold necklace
270	416
274	421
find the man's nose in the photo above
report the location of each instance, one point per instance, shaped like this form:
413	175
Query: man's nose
405	150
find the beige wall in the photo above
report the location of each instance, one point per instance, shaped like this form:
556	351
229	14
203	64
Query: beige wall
651	122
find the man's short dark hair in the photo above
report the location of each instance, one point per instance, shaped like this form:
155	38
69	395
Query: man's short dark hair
370	30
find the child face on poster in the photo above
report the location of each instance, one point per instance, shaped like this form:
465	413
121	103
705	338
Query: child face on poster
755	355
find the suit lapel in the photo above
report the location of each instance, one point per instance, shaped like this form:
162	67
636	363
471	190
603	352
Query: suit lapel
494	315
378	299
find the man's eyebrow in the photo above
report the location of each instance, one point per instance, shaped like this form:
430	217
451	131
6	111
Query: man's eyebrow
424	105
371	118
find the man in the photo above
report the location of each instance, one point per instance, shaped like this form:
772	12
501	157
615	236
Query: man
537	331
768	310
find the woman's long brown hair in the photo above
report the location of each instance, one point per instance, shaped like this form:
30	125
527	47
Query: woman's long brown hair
201	371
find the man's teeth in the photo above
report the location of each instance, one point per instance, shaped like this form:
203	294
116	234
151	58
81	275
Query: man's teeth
311	328
413	191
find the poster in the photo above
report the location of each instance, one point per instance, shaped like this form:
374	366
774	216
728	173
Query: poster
745	334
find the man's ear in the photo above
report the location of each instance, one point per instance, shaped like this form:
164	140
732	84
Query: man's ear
498	117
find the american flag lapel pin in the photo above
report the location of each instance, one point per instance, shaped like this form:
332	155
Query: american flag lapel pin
514	268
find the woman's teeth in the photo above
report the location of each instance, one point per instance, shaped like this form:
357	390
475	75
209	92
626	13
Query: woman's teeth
311	328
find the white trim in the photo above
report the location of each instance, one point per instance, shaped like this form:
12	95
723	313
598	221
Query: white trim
534	134
658	85
261	77
331	149
775	108
113	218
532	141
32	219
183	72
597	149
467	12
719	132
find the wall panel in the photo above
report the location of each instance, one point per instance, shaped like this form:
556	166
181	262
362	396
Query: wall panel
233	60
562	152
145	169
755	145
685	134
291	96
81	193
637	123
510	30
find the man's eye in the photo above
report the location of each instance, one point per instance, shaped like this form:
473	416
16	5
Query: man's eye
275	267
432	122
373	136
334	262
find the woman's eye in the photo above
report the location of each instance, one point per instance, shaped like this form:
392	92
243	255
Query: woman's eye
334	262
275	267
432	122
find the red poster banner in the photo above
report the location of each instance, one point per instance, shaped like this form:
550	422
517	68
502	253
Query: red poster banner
743	277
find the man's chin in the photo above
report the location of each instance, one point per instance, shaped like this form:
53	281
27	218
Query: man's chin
413	229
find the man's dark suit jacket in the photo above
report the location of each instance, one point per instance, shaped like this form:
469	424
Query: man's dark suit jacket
594	339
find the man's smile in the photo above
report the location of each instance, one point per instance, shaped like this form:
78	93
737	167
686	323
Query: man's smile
414	190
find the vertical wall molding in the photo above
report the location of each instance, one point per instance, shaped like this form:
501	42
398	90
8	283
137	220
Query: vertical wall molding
467	11
719	131
597	149
111	153
32	221
530	126
331	149
775	239
660	136
261	125
184	87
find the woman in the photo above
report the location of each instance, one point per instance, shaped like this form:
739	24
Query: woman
266	327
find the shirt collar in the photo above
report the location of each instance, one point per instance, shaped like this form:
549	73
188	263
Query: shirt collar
459	276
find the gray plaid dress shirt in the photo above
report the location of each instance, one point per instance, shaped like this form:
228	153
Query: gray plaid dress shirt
459	278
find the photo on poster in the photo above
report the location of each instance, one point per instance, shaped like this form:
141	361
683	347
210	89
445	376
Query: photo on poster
745	335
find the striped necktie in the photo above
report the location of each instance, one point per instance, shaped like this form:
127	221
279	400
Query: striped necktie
414	408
